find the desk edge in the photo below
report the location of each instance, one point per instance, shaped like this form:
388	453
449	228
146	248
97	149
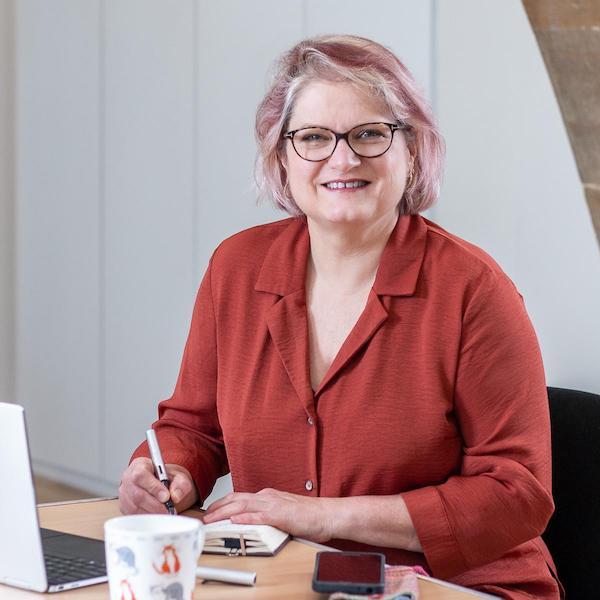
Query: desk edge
80	501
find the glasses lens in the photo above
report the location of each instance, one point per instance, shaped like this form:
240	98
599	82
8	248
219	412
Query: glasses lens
314	143
372	139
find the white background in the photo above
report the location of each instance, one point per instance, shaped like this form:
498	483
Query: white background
119	199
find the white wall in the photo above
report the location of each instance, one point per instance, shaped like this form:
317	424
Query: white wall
58	245
127	179
7	217
511	182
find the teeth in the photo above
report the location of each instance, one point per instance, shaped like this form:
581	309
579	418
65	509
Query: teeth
336	185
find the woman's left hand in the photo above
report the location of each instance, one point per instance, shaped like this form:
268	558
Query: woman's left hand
301	516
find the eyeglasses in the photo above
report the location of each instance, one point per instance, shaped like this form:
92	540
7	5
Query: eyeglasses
368	140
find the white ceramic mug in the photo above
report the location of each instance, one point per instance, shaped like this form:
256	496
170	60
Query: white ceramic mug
152	556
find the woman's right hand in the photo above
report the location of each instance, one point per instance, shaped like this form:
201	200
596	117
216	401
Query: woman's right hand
141	492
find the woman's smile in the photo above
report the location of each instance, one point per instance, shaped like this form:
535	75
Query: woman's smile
346	185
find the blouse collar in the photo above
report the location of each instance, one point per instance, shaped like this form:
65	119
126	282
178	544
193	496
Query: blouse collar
283	270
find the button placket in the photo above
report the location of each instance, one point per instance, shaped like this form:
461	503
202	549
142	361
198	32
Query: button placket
310	485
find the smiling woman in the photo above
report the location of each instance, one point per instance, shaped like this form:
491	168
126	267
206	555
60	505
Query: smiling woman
380	79
328	176
369	379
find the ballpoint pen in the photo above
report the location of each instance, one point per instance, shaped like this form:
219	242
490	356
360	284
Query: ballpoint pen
159	466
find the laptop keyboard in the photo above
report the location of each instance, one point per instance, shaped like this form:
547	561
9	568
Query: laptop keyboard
61	569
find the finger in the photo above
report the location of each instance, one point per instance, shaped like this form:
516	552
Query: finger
243	503
131	509
142	478
255	518
144	501
181	487
224	500
139	490
226	512
229	498
126	505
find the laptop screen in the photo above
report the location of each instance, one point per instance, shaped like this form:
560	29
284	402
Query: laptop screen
21	555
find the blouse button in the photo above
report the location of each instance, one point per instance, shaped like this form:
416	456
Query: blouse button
310	421
308	485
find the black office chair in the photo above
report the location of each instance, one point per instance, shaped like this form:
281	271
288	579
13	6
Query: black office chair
573	534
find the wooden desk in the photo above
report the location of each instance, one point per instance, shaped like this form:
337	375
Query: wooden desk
285	576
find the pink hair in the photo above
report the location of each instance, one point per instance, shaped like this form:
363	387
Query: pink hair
370	67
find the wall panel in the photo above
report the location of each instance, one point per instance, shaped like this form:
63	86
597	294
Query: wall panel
7	203
57	230
149	280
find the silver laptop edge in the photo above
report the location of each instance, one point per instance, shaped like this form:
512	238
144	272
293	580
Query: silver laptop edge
21	553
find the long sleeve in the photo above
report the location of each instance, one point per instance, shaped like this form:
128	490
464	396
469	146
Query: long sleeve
188	428
502	495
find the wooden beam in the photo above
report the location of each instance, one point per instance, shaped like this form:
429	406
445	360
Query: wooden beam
568	34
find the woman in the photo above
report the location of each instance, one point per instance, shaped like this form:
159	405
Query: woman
370	380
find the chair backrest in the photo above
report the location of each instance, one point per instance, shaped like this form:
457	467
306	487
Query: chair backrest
573	534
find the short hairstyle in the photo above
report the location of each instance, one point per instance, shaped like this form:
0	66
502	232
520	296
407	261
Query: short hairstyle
372	68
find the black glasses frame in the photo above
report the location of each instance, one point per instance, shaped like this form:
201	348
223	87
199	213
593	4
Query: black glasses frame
344	136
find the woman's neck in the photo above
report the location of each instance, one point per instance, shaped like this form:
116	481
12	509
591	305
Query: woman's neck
347	258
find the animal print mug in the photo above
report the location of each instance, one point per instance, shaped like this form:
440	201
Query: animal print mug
152	556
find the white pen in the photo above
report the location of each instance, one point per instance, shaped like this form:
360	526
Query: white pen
226	575
159	466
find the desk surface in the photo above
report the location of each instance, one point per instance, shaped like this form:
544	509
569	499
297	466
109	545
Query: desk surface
287	575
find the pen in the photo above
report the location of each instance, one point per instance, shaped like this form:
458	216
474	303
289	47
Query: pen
226	575
159	466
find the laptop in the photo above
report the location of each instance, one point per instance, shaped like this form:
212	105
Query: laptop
36	559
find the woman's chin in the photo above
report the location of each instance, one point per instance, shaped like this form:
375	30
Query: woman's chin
341	218
345	216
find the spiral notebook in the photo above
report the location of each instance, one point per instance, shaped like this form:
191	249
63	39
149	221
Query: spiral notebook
225	537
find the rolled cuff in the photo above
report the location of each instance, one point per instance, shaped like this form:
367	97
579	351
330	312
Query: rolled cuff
438	541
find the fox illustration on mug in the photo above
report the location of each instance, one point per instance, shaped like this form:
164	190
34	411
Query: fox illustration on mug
171	563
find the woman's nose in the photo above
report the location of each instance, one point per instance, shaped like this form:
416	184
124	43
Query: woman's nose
343	156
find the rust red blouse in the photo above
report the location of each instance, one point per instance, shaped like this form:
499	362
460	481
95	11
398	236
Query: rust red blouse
438	393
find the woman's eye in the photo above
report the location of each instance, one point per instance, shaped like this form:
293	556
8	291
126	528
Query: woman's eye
313	137
366	134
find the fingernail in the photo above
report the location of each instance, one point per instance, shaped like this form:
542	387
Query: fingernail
163	496
176	495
